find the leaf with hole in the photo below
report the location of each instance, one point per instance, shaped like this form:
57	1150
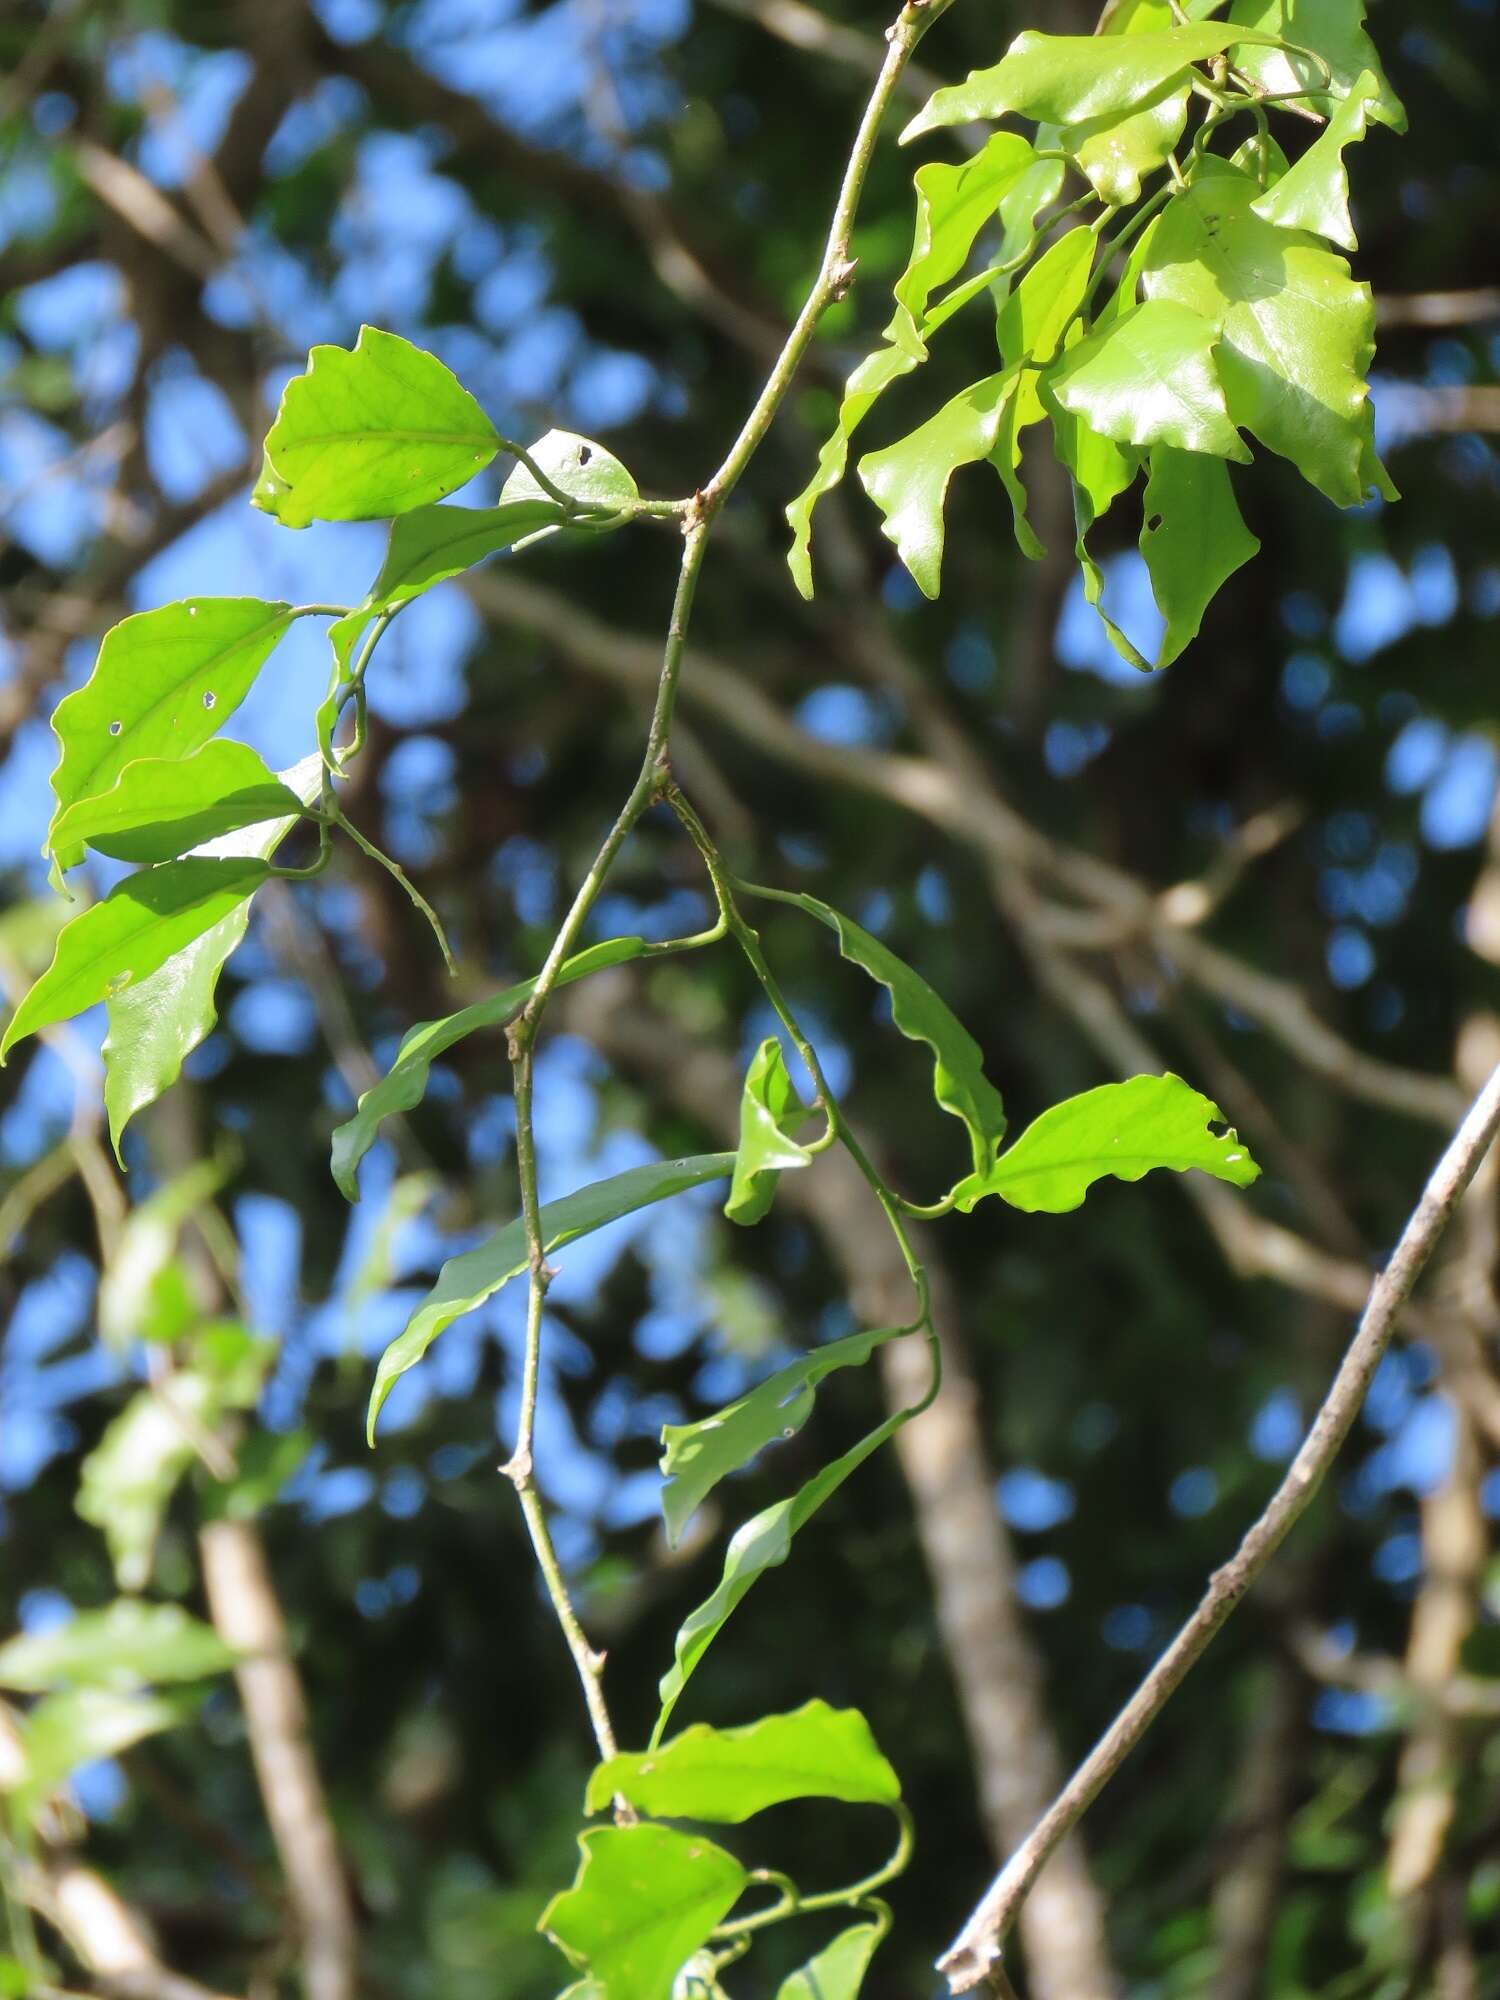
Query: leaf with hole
728	1775
468	1280
770	1113
1297	331
1193	540
583	470
1314	194
160	807
164	683
402	1086
372	431
696	1456
127	1645
838	1971
1122	1129
157	1022
644	1899
1149	378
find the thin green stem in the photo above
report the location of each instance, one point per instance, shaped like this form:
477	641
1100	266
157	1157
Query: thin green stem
394	869
792	1903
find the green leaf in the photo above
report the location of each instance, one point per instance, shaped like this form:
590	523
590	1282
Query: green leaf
727	1775
1297	331
468	1280
372	431
157	1022
1033	321
1149	378
696	1456
1332	28
145	1252
405	1081
762	1543
1124	1129
959	1083
80	1726
644	1899
577	466
432	544
1314	194
136	929
1193	540
908	481
1067	79
838	1971
865	386
953	204
159	807
127	1645
770	1112
1115	154
164	683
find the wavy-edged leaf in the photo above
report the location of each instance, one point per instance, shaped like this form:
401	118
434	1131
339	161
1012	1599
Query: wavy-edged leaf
644	1899
696	1456
1332	28
1297	331
1116	154
770	1112
959	1083
865	386
157	1022
1067	79
126	1645
1149	378
468	1280
1314	194
371	431
727	1775
140	924
953	204
908	480
1032	323
1193	540
762	1543
160	807
405	1081
1124	1129
164	683
838	1971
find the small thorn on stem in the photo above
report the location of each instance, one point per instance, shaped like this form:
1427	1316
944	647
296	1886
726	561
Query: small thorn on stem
517	1468
841	277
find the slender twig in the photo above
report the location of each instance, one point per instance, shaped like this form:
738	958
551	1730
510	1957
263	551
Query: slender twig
978	1946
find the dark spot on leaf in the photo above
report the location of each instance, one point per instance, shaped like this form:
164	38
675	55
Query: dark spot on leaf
585	453
1153	524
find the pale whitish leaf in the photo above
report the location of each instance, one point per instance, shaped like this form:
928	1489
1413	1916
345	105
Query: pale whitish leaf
1314	194
1120	1129
1066	79
1333	29
696	1456
838	1971
1297	331
161	807
728	1775
404	1082
370	432
468	1280
1193	540
577	466
1149	378
164	683
644	1900
127	1645
157	1022
770	1113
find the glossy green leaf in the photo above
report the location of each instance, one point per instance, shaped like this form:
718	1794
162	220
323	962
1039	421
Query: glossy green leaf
908	481
1032	324
157	1022
1124	1129
1067	79
432	544
577	466
696	1456
865	386
164	683
127	1645
1297	331
1193	540
1314	194
468	1280
405	1081
838	1971
953	204
372	431
770	1112
1334	29
80	1726
136	929
958	1081
762	1543
160	807
1116	154
1144	17
644	1899
728	1775
1149	378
